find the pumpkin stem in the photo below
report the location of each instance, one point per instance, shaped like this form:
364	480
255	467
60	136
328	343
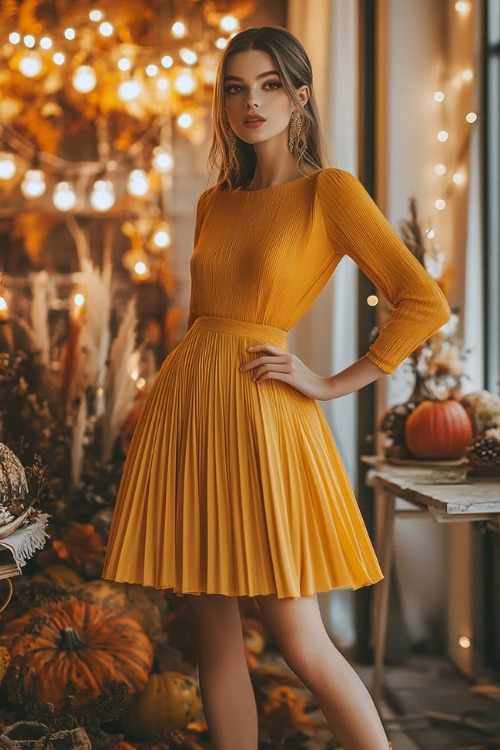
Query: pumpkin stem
70	641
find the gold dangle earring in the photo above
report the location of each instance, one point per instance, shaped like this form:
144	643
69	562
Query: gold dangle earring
232	139
294	130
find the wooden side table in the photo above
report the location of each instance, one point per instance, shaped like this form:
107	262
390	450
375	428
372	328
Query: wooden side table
444	495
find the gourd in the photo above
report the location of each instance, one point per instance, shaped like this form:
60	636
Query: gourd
59	575
74	645
438	430
170	701
4	661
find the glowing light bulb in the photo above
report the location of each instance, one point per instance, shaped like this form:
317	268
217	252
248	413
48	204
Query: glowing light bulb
95	15
124	64
4	308
162	84
69	33
185	120
430	233
59	58
64	196
106	29
439	96
440	169
443	136
221	43
440	204
46	42
129	90
84	79
229	24
140	268
14	37
458	178
33	184
179	29
464	641
185	83
7	165
162	160
152	70
471	117
138	183
462	7
30	65
188	56
167	61
162	237
467	75
29	41
372	300
103	195
78	299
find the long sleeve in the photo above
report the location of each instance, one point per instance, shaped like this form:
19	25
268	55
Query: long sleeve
356	227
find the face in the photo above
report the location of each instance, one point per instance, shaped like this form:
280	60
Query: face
257	106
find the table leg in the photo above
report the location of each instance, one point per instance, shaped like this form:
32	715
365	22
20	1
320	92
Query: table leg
382	591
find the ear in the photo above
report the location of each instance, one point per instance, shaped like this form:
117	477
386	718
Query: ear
303	95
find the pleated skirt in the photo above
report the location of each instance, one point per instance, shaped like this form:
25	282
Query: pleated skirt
232	487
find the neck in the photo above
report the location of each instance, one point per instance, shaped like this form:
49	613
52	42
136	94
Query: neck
275	165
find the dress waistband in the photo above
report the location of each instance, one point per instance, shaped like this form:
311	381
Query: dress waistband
263	333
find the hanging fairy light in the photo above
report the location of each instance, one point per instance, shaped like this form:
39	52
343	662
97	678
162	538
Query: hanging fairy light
229	24
30	64
29	41
46	42
185	83
70	34
4	307
106	29
161	238
84	79
102	197
64	196
163	161
8	165
138	182
188	56
95	15
185	120
33	184
14	37
59	58
179	29
129	90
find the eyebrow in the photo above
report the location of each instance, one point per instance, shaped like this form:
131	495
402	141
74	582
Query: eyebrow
261	75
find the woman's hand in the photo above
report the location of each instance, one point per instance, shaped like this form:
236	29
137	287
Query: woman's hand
275	364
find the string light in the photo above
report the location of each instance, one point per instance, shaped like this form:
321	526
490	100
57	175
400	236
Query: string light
458	178
14	37
185	83
64	196
95	15
188	56
138	183
106	29
7	165
30	65
471	117
440	169
33	184
70	34
464	641
129	90
46	42
439	96
29	41
372	300
84	79
163	160
179	29
430	233
462	7
440	204
124	64
443	136
229	24
102	197
4	309
59	58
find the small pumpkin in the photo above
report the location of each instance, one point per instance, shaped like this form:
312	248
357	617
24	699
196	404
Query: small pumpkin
170	701
74	644
438	430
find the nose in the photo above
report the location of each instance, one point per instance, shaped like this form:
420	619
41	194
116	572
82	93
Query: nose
252	99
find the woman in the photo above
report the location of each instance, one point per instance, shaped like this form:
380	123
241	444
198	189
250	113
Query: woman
233	485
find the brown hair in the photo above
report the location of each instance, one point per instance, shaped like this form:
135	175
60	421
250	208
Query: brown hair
236	166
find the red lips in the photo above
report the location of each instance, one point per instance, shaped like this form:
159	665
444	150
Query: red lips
254	118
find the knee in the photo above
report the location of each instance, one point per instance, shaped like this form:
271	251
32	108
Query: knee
304	658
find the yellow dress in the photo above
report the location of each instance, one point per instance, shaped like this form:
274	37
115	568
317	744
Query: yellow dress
237	488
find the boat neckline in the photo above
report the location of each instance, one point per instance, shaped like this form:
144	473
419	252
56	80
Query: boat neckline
279	185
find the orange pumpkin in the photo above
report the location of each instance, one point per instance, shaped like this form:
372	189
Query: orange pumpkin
74	644
438	430
170	701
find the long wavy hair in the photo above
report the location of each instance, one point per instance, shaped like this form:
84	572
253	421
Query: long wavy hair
235	166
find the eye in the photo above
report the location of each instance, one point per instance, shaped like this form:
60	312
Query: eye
233	89
273	85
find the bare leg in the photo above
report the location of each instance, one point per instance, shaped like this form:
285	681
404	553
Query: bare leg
226	689
348	708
